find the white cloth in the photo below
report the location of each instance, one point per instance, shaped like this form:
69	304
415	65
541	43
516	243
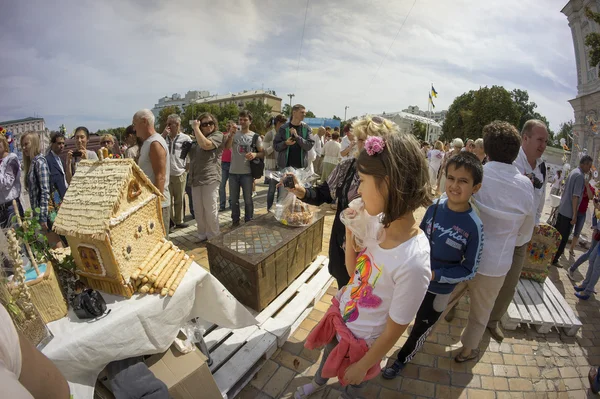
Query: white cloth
505	202
138	326
331	151
10	359
318	146
435	161
557	181
539	194
345	144
177	165
386	282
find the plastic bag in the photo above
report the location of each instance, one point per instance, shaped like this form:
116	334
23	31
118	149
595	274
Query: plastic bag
366	229
289	210
193	335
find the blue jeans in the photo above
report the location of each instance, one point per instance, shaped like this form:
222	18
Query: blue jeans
593	274
579	224
585	256
271	193
245	183
224	176
7	212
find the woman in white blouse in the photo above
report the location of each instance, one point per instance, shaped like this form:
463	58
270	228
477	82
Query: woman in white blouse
331	153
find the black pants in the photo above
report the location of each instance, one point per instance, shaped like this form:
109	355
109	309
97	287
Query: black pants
564	227
430	311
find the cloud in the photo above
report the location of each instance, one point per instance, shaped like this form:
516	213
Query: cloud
96	63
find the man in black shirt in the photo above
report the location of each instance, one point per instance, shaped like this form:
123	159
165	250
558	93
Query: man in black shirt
292	142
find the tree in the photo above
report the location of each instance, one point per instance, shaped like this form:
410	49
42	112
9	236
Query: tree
192	112
164	113
419	130
117	132
310	114
261	115
470	112
287	110
565	132
592	40
337	117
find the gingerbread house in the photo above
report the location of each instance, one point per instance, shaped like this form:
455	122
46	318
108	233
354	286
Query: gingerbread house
111	216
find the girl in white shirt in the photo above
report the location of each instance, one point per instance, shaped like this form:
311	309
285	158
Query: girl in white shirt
388	280
436	156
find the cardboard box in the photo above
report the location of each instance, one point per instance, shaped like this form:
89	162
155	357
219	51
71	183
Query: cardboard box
187	376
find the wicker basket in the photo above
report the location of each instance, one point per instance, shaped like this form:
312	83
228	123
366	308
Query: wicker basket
541	250
258	261
47	296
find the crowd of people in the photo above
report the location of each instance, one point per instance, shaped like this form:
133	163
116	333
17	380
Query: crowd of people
472	238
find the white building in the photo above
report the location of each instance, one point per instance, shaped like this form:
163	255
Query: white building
438	116
586	105
20	126
178	101
405	122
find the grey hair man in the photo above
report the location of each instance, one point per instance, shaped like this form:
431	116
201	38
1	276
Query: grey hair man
529	162
154	158
178	168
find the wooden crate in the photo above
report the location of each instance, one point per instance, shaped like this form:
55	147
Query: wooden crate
259	260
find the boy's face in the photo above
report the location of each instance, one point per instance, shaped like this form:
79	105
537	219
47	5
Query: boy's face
459	185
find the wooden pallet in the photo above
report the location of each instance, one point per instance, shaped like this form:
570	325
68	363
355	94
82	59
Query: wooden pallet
237	355
540	305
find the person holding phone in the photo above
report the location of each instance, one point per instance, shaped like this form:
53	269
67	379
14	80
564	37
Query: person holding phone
82	135
292	142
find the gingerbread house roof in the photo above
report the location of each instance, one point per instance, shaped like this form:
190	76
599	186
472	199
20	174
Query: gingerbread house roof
94	196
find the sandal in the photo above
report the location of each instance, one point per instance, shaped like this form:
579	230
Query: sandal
304	391
572	253
473	355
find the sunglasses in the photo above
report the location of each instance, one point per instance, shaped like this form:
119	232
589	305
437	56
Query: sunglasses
206	124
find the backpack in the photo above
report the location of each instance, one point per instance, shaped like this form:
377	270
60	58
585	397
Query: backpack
257	165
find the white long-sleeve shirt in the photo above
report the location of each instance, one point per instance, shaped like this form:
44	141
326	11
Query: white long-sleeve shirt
539	194
318	147
506	208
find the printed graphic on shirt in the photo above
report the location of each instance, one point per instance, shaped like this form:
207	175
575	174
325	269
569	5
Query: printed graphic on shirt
242	144
455	236
361	287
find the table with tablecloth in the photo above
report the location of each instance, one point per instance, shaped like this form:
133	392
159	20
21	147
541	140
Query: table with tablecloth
141	325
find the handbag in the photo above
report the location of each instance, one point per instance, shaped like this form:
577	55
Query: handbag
257	165
89	304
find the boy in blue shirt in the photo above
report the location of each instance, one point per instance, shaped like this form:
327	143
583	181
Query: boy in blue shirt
455	234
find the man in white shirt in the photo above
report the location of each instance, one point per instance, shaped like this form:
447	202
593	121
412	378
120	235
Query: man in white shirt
318	149
534	137
178	167
348	144
506	207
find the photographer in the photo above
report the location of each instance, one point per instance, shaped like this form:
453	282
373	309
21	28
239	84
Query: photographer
205	174
293	141
177	169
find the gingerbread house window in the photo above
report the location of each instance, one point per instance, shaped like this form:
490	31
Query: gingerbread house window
91	261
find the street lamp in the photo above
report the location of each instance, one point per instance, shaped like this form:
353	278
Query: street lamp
345	111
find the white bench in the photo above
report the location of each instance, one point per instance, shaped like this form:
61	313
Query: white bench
540	305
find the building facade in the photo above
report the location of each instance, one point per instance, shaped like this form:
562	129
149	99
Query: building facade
438	116
405	122
20	126
204	97
586	105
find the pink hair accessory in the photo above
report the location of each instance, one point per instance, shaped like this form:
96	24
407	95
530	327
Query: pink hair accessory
374	145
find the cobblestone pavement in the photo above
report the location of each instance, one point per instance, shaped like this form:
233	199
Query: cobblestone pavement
525	365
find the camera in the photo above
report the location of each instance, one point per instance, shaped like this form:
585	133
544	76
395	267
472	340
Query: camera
288	181
537	183
77	154
185	149
88	304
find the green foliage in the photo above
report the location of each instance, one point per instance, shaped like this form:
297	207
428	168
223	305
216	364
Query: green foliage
287	110
565	132
223	114
30	231
337	117
261	115
164	113
592	40
310	114
419	130
117	132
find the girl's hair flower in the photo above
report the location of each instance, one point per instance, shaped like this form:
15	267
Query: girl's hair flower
374	145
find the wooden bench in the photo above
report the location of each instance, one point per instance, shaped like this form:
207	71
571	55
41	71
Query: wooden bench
237	355
540	305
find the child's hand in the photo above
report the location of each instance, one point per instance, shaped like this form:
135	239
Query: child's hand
355	374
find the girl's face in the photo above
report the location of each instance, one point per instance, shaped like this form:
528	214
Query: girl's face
373	199
26	146
81	140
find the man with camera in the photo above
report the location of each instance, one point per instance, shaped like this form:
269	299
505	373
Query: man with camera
534	137
178	167
292	141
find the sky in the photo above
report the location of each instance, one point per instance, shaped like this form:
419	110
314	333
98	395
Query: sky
96	63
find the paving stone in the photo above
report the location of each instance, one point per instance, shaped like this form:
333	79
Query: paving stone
418	387
573	384
447	392
434	375
264	374
494	383
391	394
529	371
279	381
505	371
568	372
465	379
480	394
520	385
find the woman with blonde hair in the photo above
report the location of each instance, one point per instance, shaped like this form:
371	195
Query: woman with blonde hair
37	183
342	187
436	156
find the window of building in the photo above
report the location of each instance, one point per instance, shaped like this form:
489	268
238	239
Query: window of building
90	259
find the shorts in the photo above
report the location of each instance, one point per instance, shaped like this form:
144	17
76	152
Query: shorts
579	224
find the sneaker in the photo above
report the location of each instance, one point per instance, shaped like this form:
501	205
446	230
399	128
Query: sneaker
182	225
570	274
389	373
496	333
254	194
450	315
581	296
594	379
579	288
221	209
235	223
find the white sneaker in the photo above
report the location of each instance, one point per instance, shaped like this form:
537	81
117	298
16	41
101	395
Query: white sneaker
570	274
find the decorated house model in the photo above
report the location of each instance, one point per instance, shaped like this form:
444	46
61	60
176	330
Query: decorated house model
111	216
